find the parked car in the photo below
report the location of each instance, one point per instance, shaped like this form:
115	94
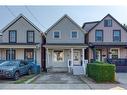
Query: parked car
15	69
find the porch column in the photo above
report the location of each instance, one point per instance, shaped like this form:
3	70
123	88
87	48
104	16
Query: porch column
108	50
47	61
72	56
82	56
94	54
10	54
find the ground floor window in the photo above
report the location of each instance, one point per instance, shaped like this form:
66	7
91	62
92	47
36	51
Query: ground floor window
115	53
10	54
29	54
58	55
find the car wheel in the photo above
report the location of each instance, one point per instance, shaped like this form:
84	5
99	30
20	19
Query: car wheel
29	72
16	76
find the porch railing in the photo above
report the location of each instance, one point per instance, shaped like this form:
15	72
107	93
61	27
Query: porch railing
118	62
121	64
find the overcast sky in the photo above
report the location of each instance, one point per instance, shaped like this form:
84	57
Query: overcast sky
48	15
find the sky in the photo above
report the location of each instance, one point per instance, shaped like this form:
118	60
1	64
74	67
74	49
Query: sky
45	16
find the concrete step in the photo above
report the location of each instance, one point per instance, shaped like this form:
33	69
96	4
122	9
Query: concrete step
78	70
58	69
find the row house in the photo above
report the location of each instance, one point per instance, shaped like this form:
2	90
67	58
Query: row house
107	39
65	41
21	40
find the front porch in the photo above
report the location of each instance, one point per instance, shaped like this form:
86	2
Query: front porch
63	57
103	51
20	52
113	54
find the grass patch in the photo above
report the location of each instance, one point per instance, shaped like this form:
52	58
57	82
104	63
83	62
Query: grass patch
23	79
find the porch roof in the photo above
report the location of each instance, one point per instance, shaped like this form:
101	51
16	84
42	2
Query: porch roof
65	45
18	45
108	44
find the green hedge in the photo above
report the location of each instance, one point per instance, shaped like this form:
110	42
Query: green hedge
101	72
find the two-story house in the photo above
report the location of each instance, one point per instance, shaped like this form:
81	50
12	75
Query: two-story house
21	40
106	39
64	41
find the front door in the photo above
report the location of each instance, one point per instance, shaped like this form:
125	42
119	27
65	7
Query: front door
77	58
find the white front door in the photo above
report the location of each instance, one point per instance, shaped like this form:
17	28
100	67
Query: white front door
77	58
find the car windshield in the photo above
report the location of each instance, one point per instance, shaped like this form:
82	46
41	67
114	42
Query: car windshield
8	63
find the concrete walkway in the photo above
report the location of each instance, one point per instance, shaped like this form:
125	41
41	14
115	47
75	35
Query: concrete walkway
58	78
65	81
122	78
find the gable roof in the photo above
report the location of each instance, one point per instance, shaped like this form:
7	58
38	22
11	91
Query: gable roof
88	25
17	19
65	16
112	18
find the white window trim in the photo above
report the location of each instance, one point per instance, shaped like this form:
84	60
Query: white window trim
53	56
118	52
74	31
59	34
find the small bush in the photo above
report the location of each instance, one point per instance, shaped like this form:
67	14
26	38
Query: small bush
101	72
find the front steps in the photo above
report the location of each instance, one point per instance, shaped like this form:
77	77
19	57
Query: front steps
58	69
78	70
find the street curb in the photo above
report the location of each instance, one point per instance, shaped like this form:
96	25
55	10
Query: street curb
32	79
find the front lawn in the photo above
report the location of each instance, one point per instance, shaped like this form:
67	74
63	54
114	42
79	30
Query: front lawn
23	79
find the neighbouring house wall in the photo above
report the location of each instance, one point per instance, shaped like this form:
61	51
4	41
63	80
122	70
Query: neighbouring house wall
21	26
65	27
108	32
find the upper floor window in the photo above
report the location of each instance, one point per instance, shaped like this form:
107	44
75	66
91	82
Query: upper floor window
74	34
56	34
116	35
108	23
99	35
30	36
12	36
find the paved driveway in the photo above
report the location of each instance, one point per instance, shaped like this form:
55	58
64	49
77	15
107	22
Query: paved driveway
121	77
58	78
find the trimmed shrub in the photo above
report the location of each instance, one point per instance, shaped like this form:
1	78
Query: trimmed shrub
101	72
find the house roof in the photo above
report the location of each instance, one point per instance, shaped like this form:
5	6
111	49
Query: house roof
88	25
98	22
65	16
16	19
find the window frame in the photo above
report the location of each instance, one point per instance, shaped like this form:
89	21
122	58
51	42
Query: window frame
114	36
54	34
8	54
107	22
96	35
118	52
53	56
25	52
76	32
28	31
10	36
